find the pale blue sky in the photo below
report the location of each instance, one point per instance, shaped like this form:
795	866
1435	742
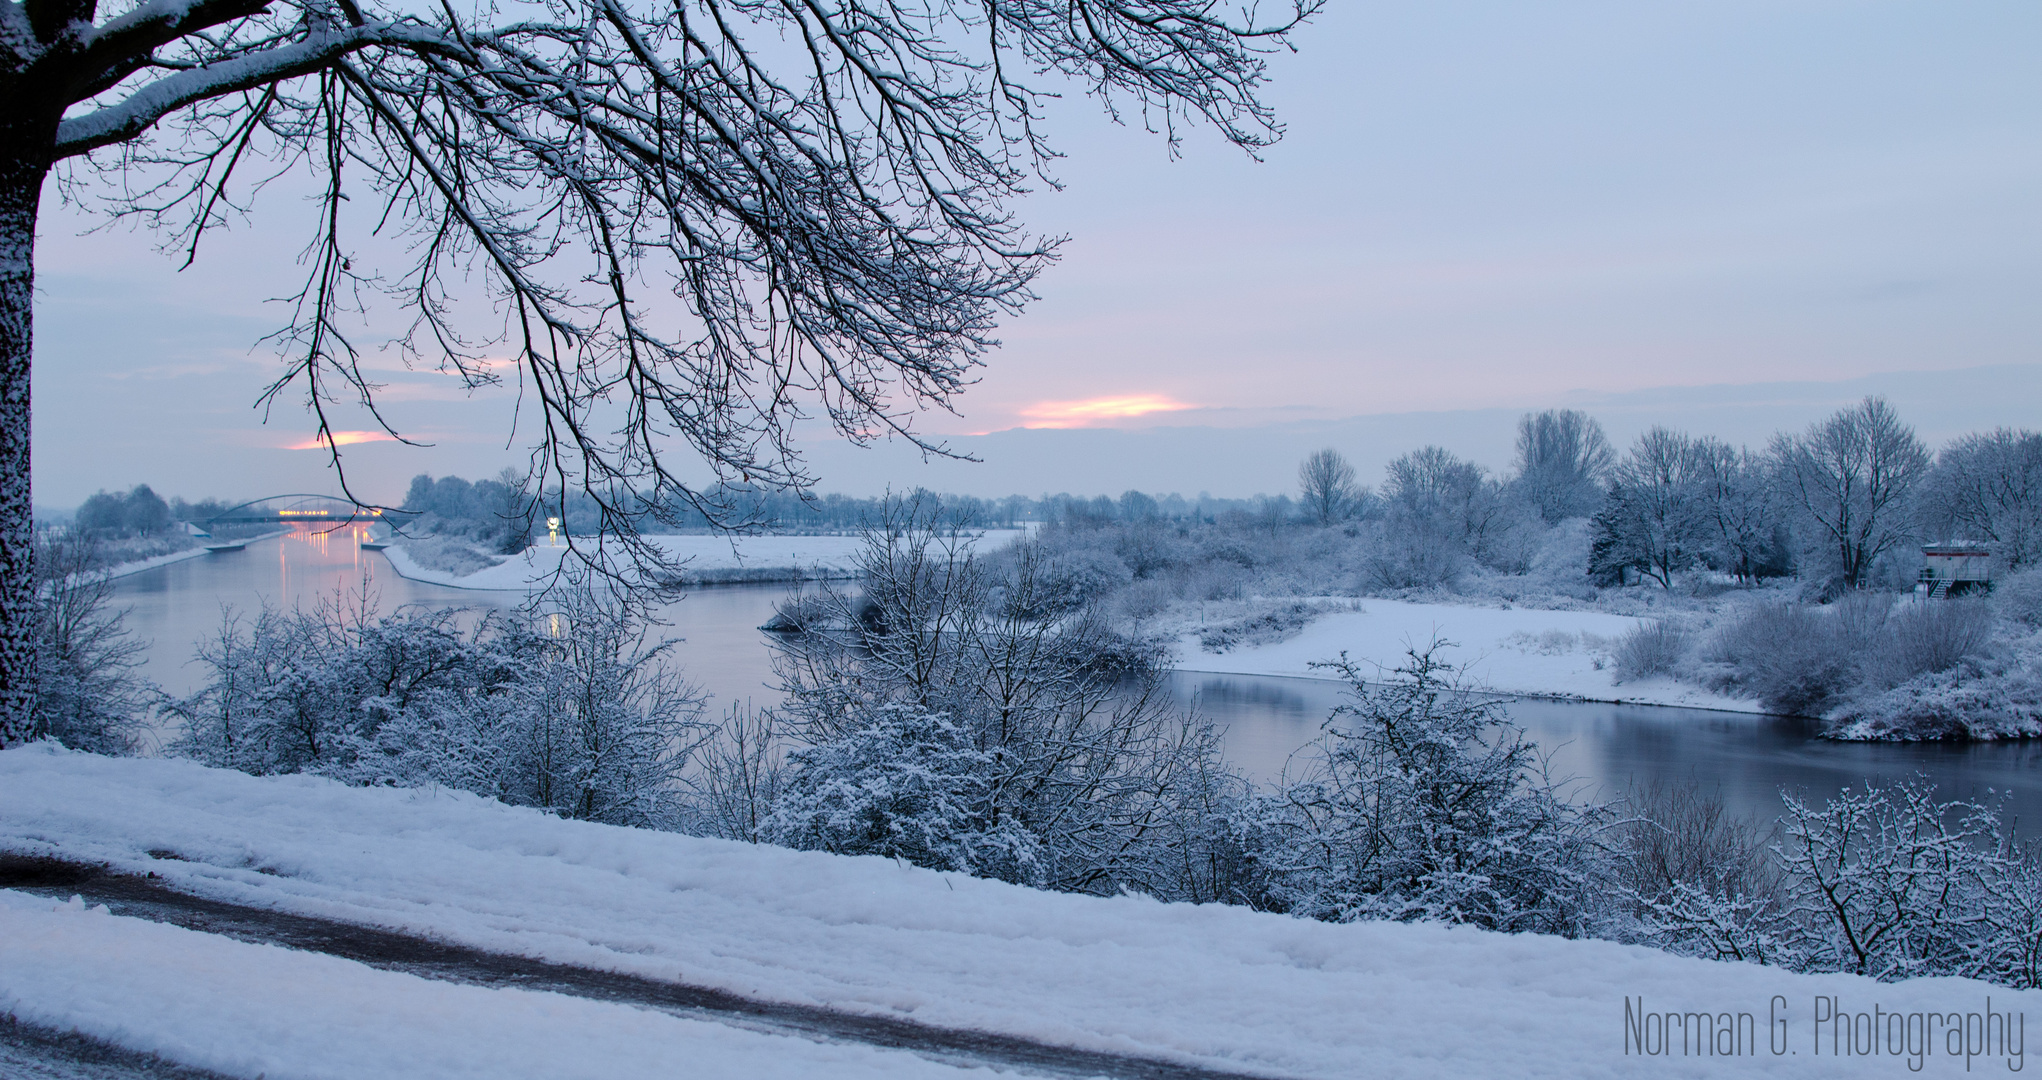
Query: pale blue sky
1480	206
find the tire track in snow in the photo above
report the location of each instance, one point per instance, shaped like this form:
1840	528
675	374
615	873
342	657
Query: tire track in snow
140	897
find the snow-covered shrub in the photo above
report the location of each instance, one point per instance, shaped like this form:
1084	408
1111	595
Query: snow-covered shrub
1991	697
1086	751
573	712
1653	647
2018	598
448	554
88	693
1262	628
1560	564
1889	879
1423	802
1146	599
1700	882
735	777
907	784
1795	659
1925	639
1410	557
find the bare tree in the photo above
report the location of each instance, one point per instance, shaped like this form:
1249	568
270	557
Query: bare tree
1737	504
1988	486
1562	460
1656	519
823	185
1326	487
1851	476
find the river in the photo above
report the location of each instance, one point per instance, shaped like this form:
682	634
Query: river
1603	748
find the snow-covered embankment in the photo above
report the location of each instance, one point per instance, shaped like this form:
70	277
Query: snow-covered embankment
1563	654
1216	986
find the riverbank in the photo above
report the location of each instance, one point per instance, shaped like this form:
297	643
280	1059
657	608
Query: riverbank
1206	986
709	560
1564	655
706	560
137	566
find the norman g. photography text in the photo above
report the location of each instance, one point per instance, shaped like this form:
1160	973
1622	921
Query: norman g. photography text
1828	1026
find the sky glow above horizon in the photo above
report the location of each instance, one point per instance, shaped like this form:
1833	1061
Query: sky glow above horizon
1477	205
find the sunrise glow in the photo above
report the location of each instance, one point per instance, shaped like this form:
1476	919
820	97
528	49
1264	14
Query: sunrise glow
1063	414
343	438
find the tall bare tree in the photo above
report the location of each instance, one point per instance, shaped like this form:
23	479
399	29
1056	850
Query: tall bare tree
823	183
1562	460
1988	486
1657	519
1851	476
1326	487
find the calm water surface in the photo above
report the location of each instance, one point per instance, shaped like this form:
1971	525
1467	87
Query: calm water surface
1603	748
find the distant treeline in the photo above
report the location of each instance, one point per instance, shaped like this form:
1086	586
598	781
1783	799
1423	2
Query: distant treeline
500	510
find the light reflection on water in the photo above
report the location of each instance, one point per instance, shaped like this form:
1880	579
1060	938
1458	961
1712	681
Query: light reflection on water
175	607
1605	748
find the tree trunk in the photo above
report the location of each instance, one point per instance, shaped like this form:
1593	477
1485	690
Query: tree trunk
21	184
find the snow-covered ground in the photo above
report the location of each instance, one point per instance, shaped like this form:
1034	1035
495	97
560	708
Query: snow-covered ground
1516	650
136	566
755	557
259	1010
1216	986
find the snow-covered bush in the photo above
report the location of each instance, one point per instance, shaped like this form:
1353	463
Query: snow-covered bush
736	776
1925	639
1264	627
570	710
448	554
1410	557
1799	660
907	784
1700	882
1653	647
88	694
1423	802
1889	879
1990	697
1885	881
1085	750
2018	598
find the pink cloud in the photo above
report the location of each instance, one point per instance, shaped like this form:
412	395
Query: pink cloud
343	438
1063	414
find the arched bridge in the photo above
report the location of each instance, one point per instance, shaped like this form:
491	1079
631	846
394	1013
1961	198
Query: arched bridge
293	509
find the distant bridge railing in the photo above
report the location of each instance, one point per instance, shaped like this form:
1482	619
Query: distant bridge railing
242	515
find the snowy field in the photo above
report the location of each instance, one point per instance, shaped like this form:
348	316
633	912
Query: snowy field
1215	986
1516	650
791	557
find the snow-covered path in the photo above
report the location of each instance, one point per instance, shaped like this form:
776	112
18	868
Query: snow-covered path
258	1010
1217	987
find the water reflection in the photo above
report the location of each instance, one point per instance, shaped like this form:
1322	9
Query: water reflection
175	607
1606	748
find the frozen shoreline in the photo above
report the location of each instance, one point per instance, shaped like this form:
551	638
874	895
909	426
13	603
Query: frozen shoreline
1526	652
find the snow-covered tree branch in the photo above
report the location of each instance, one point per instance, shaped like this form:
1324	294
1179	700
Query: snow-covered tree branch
692	224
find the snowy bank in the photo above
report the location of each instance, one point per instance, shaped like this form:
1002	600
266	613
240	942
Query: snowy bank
1562	654
1216	986
260	1010
709	560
